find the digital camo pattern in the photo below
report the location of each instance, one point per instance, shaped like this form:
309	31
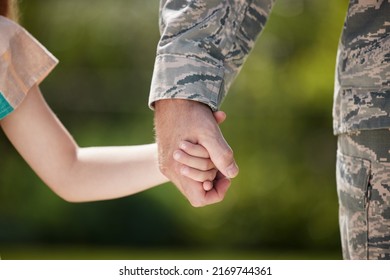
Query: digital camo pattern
362	121
362	88
203	45
202	48
363	185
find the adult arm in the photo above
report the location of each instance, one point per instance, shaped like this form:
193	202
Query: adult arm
202	48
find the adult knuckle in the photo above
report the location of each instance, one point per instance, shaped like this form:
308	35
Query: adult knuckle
228	154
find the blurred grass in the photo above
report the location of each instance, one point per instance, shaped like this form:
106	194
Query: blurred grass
123	253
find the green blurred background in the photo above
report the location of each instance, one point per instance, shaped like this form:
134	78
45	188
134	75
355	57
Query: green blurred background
283	205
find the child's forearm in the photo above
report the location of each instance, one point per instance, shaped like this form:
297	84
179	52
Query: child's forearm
110	172
77	174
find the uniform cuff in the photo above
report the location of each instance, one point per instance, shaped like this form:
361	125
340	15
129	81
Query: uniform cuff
183	77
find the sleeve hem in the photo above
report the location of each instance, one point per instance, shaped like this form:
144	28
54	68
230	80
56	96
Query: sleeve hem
184	77
25	63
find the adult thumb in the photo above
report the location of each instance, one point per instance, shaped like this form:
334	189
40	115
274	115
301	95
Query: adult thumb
222	156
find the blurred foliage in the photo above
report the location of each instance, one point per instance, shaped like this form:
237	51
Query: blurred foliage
279	125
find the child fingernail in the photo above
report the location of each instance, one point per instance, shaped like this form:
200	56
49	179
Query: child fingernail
182	145
176	155
184	171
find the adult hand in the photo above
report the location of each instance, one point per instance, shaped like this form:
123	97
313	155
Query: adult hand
177	120
196	161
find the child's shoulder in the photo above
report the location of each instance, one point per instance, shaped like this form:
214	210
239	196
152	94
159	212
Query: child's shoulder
19	43
8	28
24	63
8	23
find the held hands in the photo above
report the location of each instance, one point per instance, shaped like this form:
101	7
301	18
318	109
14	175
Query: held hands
195	160
180	123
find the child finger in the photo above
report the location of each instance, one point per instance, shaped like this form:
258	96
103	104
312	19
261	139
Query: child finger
197	175
207	185
220	116
195	150
202	164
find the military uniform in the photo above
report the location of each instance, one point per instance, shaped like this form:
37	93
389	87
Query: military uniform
361	115
203	45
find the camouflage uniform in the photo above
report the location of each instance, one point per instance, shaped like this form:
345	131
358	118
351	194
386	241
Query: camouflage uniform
361	115
203	45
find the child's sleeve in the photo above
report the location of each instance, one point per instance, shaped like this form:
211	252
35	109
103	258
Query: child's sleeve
24	62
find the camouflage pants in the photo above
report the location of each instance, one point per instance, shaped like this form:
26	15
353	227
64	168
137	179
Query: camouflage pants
363	186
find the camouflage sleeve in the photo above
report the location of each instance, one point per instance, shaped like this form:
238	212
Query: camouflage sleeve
362	84
203	45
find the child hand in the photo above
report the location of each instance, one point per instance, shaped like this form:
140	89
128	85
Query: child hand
196	163
195	160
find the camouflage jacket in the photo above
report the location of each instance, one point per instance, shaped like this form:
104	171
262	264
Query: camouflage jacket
204	43
362	86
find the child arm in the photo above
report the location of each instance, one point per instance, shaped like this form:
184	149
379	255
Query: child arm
77	174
